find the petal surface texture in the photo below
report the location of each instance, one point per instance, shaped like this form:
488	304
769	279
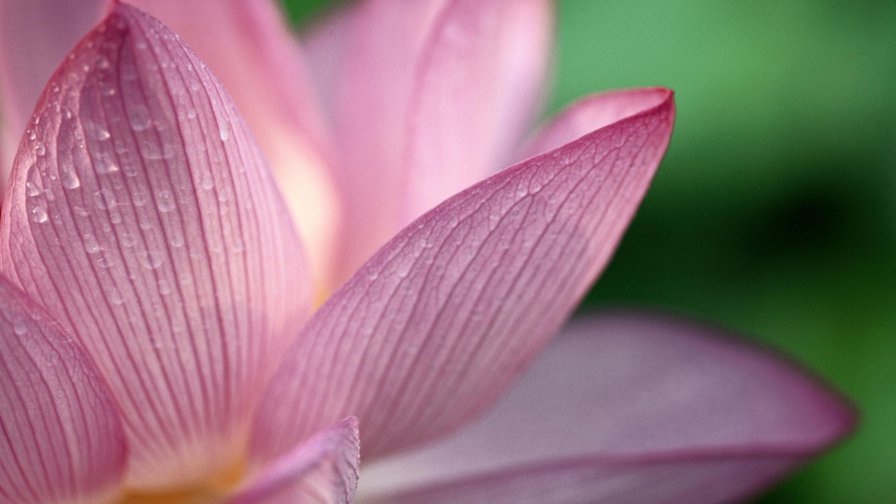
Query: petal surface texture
629	409
478	86
61	440
142	216
435	326
262	67
424	98
588	114
34	37
322	470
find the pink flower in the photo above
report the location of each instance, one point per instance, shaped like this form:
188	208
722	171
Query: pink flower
160	335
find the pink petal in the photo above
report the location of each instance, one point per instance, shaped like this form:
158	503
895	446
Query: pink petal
34	37
369	104
477	90
627	408
142	216
261	65
588	114
60	436
323	469
434	327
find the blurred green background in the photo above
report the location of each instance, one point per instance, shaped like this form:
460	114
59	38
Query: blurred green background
773	212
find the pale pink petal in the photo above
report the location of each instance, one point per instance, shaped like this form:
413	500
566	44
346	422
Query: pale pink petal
34	37
143	217
588	114
369	104
628	408
61	440
698	479
434	327
249	48
477	90
323	469
325	45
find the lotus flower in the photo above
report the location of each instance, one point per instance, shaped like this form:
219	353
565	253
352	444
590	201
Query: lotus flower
166	339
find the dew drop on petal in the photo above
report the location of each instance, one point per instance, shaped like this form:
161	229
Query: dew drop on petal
91	245
165	201
151	259
19	326
104	199
139	118
70	179
39	214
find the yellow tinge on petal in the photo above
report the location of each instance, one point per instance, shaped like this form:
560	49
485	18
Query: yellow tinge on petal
302	176
211	491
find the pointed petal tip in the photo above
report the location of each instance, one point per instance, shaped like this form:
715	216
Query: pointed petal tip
139	186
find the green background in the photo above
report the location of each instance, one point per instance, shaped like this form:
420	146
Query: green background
773	211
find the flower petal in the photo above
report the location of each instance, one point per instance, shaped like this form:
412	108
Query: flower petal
323	469
478	87
263	68
588	114
628	408
434	327
60	436
143	217
28	55
384	40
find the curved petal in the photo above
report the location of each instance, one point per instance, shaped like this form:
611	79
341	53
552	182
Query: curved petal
28	56
434	327
628	408
323	469
61	440
143	217
262	67
701	479
588	114
477	90
382	46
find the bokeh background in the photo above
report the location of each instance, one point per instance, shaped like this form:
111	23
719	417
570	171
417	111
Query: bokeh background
774	211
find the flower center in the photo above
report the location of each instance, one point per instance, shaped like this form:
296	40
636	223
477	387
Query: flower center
211	491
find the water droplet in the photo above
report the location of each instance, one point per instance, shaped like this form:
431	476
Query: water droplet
19	326
104	199
165	201
39	148
151	259
105	163
164	288
104	260
139	195
191	114
127	239
223	132
115	218
70	179
39	214
114	296
90	244
206	181
195	85
138	117
32	135
102	61
95	129
150	150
